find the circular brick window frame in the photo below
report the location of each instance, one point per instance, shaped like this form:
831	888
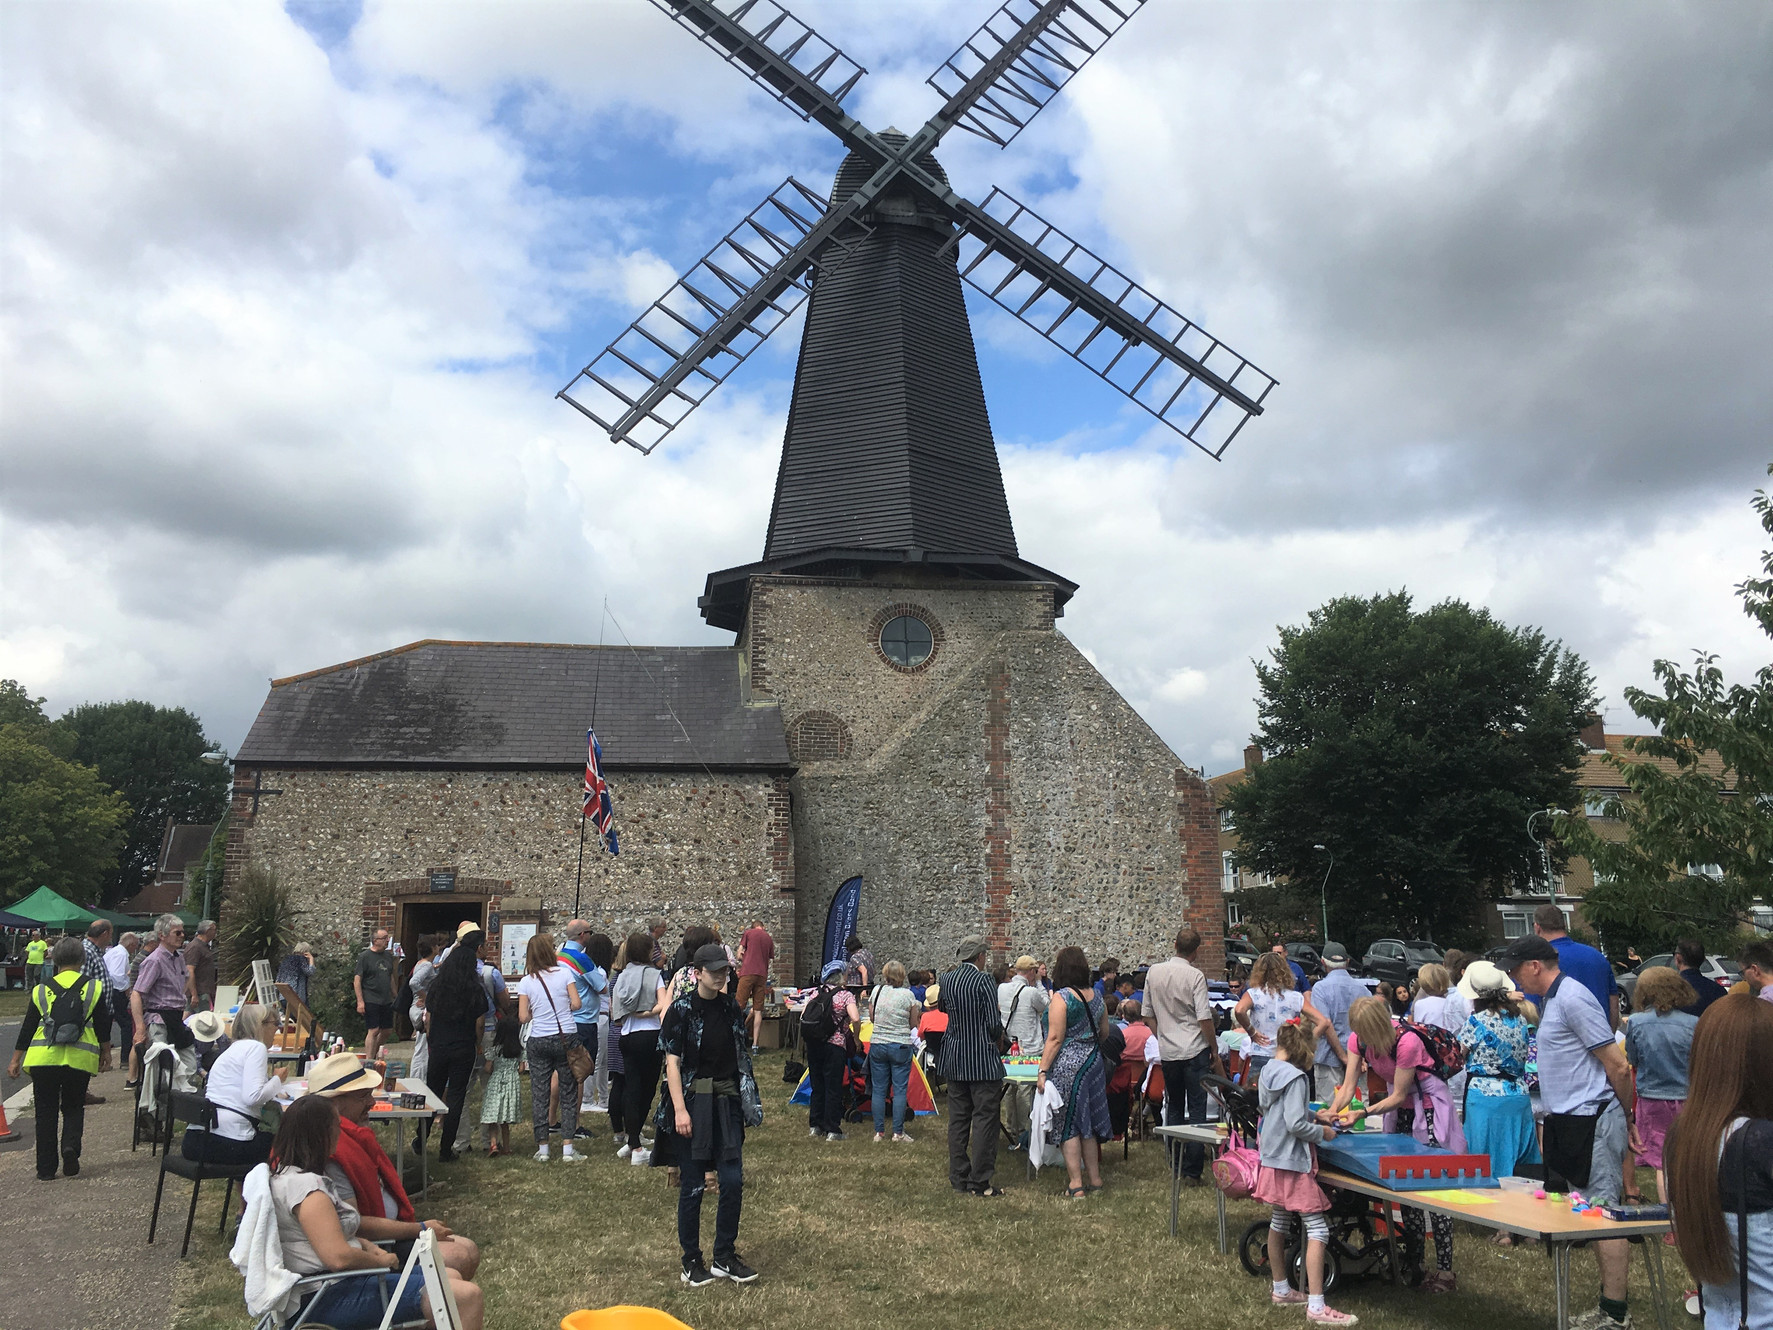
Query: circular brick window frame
905	610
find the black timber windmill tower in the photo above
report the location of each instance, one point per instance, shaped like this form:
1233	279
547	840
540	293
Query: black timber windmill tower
888	457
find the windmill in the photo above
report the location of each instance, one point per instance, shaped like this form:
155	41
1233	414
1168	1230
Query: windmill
797	243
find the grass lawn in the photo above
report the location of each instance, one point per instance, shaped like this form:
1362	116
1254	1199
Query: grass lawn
13	1002
862	1235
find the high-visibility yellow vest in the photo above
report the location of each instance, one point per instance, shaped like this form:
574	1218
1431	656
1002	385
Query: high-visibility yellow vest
36	951
83	1056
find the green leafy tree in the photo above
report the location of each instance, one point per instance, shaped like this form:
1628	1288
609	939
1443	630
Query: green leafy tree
1698	845
61	826
154	757
1413	746
1276	913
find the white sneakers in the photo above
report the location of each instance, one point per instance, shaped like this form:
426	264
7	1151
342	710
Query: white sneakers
625	1151
641	1158
542	1155
568	1155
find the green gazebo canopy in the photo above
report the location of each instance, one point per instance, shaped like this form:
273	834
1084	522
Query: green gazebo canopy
52	910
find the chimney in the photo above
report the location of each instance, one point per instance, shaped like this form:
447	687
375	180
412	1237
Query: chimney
1593	734
1253	756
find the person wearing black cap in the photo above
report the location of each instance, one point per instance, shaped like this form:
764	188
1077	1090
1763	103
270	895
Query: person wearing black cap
712	1099
1585	1086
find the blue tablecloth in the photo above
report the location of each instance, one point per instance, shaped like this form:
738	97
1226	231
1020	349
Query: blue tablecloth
1357	1153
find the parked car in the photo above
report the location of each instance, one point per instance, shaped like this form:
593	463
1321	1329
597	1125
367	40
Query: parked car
1720	968
1239	952
1396	960
1306	956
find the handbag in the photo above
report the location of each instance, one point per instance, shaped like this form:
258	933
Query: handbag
1236	1168
578	1060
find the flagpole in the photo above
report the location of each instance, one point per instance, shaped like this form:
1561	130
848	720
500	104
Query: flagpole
581	874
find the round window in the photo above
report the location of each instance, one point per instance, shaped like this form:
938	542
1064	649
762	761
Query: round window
907	641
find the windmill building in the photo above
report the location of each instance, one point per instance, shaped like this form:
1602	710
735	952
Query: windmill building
897	702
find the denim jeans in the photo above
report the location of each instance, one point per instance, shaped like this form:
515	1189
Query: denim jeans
889	1062
547	1055
1185	1100
726	1217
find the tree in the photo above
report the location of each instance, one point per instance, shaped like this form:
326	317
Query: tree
154	756
1414	747
1698	846
61	826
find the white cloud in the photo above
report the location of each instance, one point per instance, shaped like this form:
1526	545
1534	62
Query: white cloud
283	326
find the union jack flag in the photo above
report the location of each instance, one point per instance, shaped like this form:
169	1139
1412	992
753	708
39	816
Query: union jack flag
597	801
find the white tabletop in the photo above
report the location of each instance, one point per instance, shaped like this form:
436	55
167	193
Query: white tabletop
434	1106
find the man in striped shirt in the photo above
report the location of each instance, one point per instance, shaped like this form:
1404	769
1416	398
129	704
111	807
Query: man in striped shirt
970	1063
98	937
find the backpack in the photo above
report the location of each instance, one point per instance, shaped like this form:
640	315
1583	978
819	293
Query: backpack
66	1021
818	1022
1443	1048
1235	1168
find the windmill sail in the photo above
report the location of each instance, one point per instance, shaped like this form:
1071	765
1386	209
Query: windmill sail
1103	319
687	342
1019	59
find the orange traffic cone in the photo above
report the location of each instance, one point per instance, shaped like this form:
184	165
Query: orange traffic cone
6	1132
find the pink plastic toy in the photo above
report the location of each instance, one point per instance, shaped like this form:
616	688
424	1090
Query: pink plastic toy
1539	1195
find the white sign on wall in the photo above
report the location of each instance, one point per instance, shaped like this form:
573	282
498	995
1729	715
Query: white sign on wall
513	941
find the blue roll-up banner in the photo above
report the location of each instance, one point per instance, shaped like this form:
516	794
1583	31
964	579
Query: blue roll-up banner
840	921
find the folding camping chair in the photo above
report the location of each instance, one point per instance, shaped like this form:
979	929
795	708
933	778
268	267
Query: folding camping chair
310	1287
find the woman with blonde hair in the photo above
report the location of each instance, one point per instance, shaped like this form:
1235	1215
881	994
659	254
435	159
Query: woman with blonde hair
1418	1103
547	997
240	1084
896	1013
1269	1002
1431	1006
1658	1044
1720	1164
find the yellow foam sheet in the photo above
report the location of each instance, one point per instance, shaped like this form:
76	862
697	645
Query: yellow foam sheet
1464	1196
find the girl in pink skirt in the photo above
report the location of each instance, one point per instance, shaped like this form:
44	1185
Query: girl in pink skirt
1287	1177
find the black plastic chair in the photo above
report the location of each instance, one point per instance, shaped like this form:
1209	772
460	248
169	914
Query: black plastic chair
160	1068
198	1112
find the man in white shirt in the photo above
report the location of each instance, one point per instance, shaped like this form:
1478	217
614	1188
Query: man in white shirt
1020	1002
1181	1018
1585	1086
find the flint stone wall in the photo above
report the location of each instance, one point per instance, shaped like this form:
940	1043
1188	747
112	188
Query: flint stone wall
695	848
1003	788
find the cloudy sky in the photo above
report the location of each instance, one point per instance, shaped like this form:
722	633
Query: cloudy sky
288	292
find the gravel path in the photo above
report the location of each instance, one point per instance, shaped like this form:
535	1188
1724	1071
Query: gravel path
76	1249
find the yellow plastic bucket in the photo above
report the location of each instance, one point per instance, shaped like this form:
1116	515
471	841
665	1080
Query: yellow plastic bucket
622	1318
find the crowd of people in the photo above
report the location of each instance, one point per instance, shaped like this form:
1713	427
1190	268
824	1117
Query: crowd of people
1553	1078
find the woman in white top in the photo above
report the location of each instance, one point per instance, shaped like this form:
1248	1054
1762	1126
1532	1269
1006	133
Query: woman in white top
547	997
636	1008
240	1084
317	1231
896	1013
1433	1005
1269	1002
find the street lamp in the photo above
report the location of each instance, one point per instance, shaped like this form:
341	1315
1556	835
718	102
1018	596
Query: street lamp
1544	847
1323	898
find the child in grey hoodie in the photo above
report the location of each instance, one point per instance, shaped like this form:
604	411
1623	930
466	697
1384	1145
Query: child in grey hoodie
1287	1178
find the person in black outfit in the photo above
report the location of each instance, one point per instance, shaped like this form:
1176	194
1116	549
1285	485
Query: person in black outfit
973	1068
712	1098
457	1005
1690	961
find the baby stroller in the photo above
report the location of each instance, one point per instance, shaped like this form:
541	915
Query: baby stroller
1361	1233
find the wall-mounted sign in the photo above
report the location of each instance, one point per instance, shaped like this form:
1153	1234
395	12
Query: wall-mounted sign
513	942
443	879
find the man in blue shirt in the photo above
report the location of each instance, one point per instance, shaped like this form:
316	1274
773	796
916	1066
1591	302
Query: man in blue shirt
1690	961
1333	995
590	979
1578	961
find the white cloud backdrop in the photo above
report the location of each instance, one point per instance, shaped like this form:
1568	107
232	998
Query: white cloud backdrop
287	294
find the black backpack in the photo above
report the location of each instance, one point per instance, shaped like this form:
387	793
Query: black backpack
818	1022
66	1022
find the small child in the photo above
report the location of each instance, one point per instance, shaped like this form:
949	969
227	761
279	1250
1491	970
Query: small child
421	1041
499	1108
1287	1178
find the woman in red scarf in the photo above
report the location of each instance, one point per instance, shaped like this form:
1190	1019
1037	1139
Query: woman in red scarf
366	1177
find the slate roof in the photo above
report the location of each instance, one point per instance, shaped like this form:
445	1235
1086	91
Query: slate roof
888	444
181	843
518	705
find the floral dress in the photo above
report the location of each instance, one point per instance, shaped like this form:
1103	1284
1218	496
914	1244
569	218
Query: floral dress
1079	1073
500	1104
1498	1111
